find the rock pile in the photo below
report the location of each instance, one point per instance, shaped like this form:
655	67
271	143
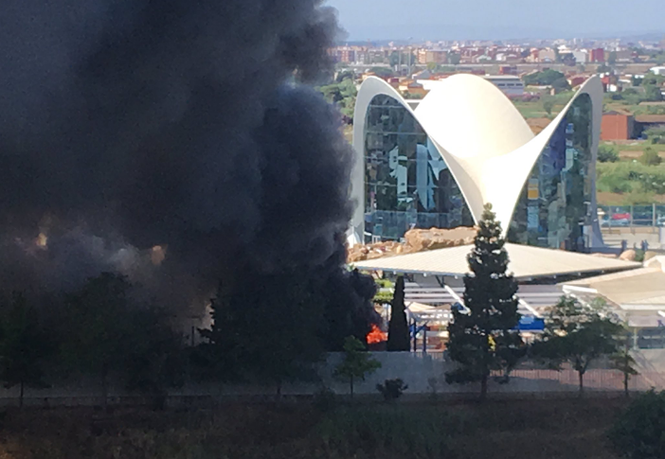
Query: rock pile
415	240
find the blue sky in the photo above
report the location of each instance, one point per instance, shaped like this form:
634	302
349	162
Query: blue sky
471	19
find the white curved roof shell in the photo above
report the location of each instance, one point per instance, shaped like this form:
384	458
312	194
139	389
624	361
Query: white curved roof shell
526	262
481	136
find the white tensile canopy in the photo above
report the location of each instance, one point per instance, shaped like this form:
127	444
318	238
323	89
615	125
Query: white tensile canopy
526	262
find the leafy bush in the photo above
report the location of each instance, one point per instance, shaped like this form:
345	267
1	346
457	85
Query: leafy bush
392	389
544	78
650	157
608	154
624	177
383	296
325	400
384	283
656	135
640	432
548	104
381	432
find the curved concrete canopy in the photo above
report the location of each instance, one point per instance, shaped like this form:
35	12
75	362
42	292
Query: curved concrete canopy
479	133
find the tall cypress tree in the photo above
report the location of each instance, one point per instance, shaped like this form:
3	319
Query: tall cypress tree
483	339
398	328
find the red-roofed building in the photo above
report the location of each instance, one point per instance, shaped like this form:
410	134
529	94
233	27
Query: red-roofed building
617	126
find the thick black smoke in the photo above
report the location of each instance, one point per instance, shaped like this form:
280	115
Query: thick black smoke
131	124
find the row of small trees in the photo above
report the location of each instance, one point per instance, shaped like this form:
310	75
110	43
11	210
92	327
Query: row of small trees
275	332
98	331
269	332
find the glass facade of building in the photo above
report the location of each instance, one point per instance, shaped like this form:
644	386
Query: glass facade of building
555	204
407	182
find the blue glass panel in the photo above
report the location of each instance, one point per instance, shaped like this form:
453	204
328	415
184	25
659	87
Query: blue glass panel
555	203
407	183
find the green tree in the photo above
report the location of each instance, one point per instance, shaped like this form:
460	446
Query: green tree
653	87
544	78
383	294
638	432
345	75
267	333
608	153
382	72
612	58
652	93
656	135
578	334
625	363
97	323
343	95
357	363
156	357
398	328
603	68
548	105
484	338
454	59
23	347
110	335
561	84
650	157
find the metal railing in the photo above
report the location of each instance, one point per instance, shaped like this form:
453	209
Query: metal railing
650	216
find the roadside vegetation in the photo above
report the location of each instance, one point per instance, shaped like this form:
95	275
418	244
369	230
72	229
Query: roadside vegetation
630	176
538	429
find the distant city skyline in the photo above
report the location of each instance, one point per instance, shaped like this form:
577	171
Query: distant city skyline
423	20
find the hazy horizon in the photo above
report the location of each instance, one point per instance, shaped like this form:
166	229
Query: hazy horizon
423	20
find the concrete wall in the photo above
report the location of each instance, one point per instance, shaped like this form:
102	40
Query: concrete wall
424	374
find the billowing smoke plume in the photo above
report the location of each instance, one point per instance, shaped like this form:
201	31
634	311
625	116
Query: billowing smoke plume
163	140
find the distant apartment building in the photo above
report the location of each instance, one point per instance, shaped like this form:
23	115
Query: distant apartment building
510	85
343	54
581	56
546	55
625	55
617	126
347	55
597	55
432	56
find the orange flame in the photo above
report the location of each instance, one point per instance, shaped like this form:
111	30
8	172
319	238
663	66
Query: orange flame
376	335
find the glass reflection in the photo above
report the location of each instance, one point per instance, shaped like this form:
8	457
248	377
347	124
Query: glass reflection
554	207
407	183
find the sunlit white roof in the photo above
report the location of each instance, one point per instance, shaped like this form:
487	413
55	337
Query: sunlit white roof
526	262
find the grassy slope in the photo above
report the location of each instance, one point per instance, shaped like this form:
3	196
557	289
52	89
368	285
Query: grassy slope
537	429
